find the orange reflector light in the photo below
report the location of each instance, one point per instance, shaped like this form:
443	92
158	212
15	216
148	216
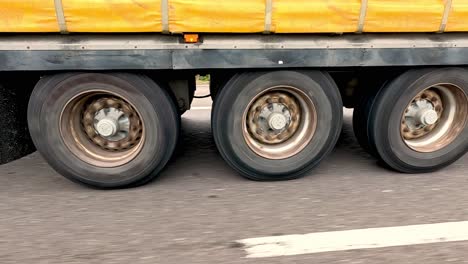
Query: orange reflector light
191	38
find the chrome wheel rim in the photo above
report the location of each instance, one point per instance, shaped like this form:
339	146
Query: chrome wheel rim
102	128
434	118
279	122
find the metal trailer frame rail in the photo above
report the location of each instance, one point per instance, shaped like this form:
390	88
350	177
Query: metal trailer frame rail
157	51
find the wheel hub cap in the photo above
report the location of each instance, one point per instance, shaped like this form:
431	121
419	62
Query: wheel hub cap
422	115
274	118
107	127
277	121
428	117
112	124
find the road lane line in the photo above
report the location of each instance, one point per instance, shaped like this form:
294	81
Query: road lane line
288	245
201	108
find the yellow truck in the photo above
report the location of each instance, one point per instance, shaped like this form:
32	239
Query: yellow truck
107	81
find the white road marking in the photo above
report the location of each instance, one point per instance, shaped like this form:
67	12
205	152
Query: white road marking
201	108
287	245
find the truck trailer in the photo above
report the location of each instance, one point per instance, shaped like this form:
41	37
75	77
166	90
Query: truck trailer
102	84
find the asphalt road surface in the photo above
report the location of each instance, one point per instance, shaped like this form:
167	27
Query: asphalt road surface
200	211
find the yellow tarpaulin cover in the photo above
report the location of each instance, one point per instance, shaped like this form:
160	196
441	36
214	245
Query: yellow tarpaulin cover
458	19
27	16
233	16
404	15
216	15
315	16
112	15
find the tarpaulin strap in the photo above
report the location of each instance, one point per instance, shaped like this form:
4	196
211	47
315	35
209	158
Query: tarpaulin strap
60	16
268	15
362	16
448	8
165	16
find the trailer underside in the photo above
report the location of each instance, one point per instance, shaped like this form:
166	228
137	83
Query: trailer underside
158	52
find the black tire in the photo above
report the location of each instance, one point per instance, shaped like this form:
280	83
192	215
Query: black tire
237	95
361	116
217	81
155	107
386	115
15	141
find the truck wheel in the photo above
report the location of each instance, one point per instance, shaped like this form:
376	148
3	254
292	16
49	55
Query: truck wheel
103	130
277	125
419	122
